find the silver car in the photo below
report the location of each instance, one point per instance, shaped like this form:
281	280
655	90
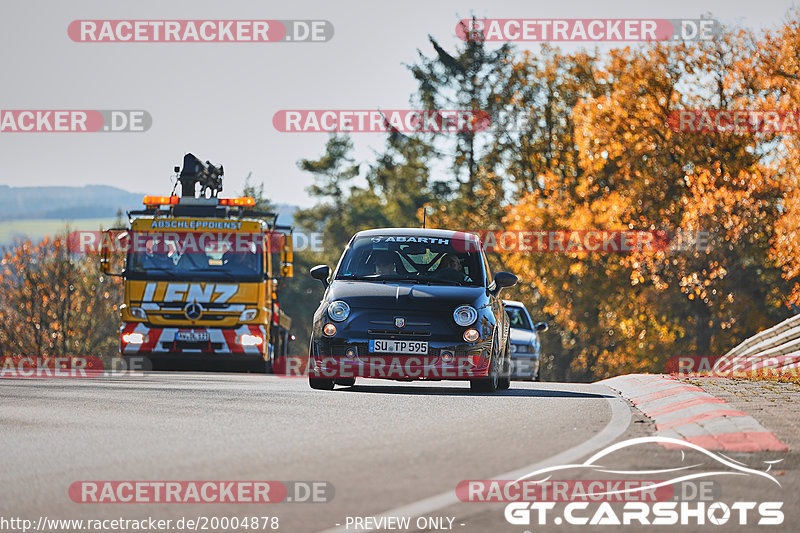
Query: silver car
524	344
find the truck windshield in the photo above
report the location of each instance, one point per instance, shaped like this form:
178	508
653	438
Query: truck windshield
156	259
411	258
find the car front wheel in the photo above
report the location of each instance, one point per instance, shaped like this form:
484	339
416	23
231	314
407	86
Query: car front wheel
321	383
490	383
505	376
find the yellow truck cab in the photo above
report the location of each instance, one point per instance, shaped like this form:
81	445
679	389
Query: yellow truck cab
201	276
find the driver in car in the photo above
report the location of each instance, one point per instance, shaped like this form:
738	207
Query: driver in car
384	263
153	258
450	268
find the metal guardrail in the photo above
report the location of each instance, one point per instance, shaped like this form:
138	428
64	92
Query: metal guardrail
776	348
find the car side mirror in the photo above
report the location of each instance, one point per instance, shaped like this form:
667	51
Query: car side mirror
322	273
502	280
541	327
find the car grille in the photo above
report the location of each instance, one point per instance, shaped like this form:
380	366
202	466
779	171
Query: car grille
403	332
362	350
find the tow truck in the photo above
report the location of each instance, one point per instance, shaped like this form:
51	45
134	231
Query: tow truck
201	276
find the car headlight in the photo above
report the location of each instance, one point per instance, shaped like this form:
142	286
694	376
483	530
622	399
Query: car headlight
521	348
338	310
465	315
138	312
248	314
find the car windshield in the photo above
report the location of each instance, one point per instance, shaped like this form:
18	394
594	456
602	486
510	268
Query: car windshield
411	258
518	318
155	258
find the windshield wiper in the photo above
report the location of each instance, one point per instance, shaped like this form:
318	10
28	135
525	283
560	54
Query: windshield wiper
227	274
353	277
169	271
447	282
406	278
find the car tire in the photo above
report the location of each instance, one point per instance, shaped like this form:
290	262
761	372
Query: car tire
504	382
490	383
321	383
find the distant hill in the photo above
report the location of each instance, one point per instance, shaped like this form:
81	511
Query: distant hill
64	203
90	201
33	212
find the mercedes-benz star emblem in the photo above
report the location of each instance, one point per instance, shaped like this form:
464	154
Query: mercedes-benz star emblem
193	310
399	322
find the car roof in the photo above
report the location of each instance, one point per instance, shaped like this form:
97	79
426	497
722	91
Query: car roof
513	303
417	232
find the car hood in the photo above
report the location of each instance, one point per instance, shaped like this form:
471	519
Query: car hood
377	295
521	336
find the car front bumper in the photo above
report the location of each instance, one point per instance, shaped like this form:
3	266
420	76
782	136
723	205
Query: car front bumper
444	361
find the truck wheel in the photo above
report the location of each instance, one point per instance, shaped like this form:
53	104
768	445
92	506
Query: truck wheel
269	362
137	363
321	383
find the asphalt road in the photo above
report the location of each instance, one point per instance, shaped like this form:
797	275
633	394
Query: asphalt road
387	448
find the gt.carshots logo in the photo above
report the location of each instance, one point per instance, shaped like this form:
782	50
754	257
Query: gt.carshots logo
74	120
199	31
685	495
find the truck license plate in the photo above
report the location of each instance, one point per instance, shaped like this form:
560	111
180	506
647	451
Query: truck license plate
192	336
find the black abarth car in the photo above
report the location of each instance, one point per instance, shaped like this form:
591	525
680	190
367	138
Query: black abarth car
411	304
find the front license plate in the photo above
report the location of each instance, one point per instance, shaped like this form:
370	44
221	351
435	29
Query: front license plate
192	336
382	346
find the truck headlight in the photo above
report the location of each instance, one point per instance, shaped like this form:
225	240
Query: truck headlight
134	338
338	310
248	314
138	312
251	340
465	315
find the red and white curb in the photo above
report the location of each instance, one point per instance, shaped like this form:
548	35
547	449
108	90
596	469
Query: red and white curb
686	412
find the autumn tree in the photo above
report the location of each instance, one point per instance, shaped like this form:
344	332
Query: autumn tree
56	303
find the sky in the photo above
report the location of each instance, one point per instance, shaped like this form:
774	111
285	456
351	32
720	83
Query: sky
217	100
